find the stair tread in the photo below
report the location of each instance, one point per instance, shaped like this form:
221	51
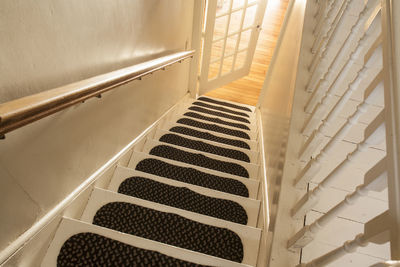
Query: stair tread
175	139
71	227
220	108
251	168
173	226
214	128
253	155
210	135
250	129
191	174
199	159
251	206
183	198
226	103
220	114
218	120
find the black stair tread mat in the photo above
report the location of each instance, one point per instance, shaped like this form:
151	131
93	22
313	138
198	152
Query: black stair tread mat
219	114
198	103
210	137
192	176
202	146
183	198
89	249
214	128
199	160
216	120
224	103
172	229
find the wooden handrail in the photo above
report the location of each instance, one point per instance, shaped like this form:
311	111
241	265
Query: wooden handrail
17	113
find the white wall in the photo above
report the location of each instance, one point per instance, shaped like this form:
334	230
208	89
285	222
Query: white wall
50	43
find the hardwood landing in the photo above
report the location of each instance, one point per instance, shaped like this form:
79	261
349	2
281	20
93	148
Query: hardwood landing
247	89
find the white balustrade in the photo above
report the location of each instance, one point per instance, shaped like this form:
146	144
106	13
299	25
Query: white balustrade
319	112
323	18
374	180
321	12
376	231
369	52
332	34
373	91
321	78
331	85
373	134
327	24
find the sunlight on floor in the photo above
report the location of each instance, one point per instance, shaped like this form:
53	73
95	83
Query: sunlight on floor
246	90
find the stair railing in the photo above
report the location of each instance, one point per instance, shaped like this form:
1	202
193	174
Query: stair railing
372	55
17	113
320	50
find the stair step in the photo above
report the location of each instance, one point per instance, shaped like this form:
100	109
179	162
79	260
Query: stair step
201	122
194	172
187	142
216	110
222	122
212	116
252	169
250	129
178	154
227	103
251	206
219	114
173	226
114	247
224	109
253	156
212	127
210	135
189	107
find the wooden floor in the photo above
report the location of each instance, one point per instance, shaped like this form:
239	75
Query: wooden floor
247	89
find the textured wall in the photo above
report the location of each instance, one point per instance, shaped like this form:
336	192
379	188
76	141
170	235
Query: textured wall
49	43
45	44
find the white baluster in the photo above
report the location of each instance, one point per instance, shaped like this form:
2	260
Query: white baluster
322	19
327	24
373	134
318	78
337	25
375	231
320	13
325	85
320	110
348	247
374	180
316	138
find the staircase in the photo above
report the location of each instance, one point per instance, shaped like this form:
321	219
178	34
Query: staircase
189	196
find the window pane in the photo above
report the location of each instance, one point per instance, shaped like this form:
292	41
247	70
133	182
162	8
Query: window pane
250	16
213	70
220	27
240	59
227	65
